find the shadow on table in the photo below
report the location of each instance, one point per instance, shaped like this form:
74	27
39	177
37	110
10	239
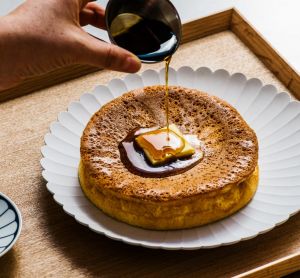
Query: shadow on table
97	255
8	264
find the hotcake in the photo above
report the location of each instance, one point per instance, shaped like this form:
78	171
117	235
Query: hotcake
220	184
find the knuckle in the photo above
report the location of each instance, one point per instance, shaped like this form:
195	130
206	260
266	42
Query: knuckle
109	56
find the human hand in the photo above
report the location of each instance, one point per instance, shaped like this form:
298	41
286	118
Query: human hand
41	36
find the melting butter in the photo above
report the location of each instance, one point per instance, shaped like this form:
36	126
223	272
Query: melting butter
162	145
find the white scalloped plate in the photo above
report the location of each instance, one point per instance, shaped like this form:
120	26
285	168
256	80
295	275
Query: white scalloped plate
274	117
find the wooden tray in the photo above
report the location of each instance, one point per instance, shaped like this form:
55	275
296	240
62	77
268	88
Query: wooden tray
53	244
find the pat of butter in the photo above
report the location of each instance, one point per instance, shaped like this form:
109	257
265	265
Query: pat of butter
158	155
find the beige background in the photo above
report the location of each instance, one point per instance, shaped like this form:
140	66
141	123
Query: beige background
53	244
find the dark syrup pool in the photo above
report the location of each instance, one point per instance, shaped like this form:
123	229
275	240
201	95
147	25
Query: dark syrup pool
136	162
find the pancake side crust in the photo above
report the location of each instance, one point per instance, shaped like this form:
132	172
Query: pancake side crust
178	214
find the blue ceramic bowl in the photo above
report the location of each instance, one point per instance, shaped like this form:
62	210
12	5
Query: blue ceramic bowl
10	224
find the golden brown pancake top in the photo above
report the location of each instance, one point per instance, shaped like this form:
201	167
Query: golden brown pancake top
229	144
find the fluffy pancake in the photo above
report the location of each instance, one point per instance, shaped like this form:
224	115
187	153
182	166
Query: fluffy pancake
223	182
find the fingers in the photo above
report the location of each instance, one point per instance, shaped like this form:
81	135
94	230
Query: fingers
83	3
93	14
108	56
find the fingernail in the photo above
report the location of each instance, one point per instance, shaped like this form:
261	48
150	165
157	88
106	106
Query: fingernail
133	64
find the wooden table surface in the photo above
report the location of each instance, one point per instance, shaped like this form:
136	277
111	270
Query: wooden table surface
53	244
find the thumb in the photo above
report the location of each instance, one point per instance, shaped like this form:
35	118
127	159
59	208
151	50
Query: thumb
105	55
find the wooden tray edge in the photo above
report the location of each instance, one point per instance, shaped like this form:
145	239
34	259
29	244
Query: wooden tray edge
278	268
264	51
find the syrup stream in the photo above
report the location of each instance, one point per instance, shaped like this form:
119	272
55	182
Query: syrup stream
167	64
